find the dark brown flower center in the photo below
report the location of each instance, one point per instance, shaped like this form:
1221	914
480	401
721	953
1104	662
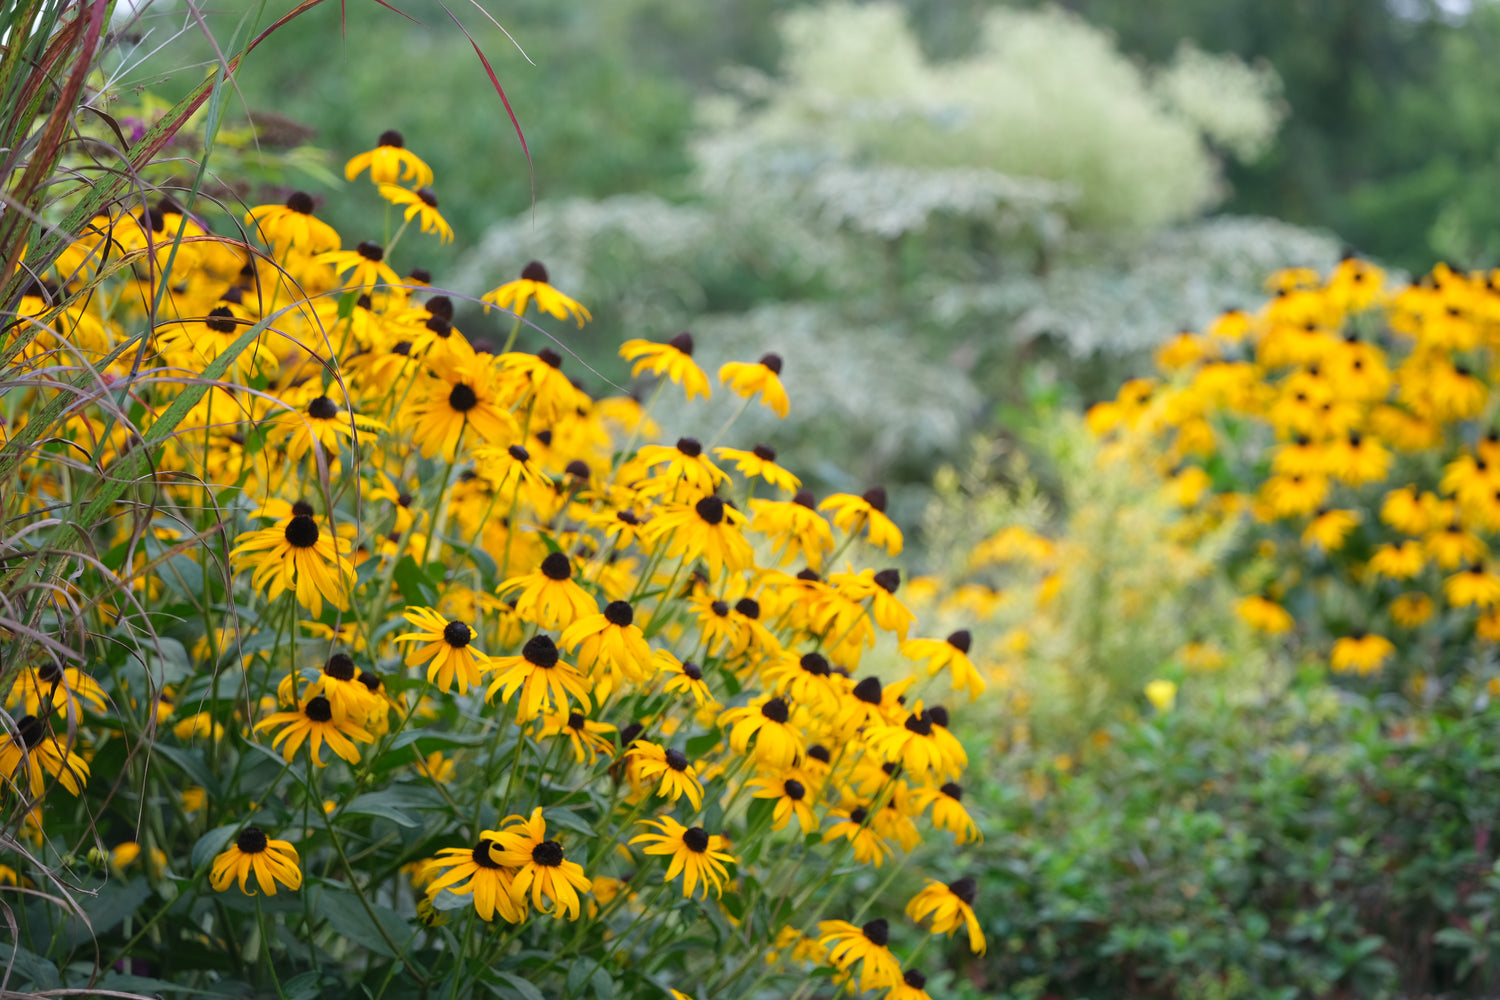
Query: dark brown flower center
252	840
322	408
868	691
221	320
689	447
619	613
677	760
540	651
918	724
877	932
888	580
390	137
875	497
302	532
370	251
961	641
462	398
31	730
548	854
482	857
773	362
318	710
695	839
815	664
749	607
764	452
300	202
775	710
340	667
954	791
518	453
557	567
428	197
794	789
964	889
457	634
710	509
692	670
534	272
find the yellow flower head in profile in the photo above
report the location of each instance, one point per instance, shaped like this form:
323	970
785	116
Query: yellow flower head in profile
698	856
868	946
866	511
760	462
533	284
270	861
674	359
422	205
365	265
550	596
543	678
950	907
763	377
709	529
293	225
1360	652
1265	615
1474	586
390	162
296	555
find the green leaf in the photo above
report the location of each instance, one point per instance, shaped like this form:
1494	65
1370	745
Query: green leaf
192	764
521	987
108	908
604	986
415	585
348	916
698	746
568	819
212	843
396	802
28	969
411	736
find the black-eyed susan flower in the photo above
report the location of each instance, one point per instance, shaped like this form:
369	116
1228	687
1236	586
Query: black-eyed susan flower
390	162
806	679
698	856
318	418
912	744
673	774
609	645
1329	529
1474	586
270	861
533	284
710	530
422	205
544	389
953	653
293	225
549	596
674	359
789	789
866	946
865	512
461	390
543	678
1411	610
296	555
1398	561
682	675
365	265
587	737
50	688
794	529
338	681
314	724
948	907
35	749
854	823
1360	652
760	462
684	475
509	470
765	720
446	647
475	871
913	986
1454	545
541	867
763	377
1265	615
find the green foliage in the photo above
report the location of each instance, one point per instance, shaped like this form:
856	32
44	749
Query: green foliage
1304	843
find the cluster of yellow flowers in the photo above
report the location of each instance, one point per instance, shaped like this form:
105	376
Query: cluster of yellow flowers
1350	427
377	534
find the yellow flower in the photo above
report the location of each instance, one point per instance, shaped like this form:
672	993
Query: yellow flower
1362	652
709	529
421	204
953	653
35	749
549	596
678	775
763	377
298	556
1473	586
696	854
867	945
674	359
1162	694
475	871
544	680
1265	615
365	263
270	861
389	162
1411	610
523	844
760	462
950	907
1329	529
446	647
293	225
867	511
514	296
315	720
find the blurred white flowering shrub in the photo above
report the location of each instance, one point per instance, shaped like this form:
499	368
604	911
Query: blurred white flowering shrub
900	229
